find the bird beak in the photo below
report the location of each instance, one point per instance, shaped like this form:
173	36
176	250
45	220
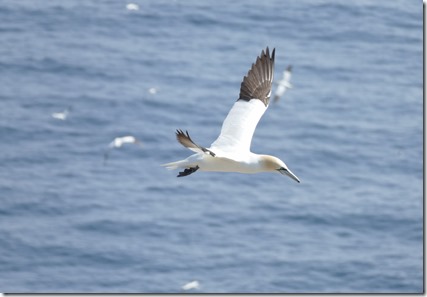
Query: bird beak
289	173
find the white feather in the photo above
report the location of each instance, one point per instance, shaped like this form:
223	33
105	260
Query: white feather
191	285
238	127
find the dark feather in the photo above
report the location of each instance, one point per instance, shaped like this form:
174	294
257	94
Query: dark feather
188	171
185	140
257	83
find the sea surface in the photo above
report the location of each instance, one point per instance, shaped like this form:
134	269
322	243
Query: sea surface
351	129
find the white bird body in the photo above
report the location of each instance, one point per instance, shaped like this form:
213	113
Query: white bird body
119	142
132	6
242	163
283	84
230	152
191	285
61	115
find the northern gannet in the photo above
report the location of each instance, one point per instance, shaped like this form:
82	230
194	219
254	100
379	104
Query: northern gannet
230	152
152	91
191	285
118	142
283	84
61	115
132	6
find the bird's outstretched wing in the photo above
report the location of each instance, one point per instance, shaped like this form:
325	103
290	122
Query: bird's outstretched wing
185	140
239	125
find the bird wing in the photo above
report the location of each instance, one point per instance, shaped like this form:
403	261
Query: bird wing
112	144
239	125
185	140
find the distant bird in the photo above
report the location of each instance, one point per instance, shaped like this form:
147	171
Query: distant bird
230	152
152	91
283	84
62	115
191	285
118	142
132	6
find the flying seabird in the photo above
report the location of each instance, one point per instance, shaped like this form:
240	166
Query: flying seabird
118	142
283	84
230	152
152	91
191	285
61	115
132	6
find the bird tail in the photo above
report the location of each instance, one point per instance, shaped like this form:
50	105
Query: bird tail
177	164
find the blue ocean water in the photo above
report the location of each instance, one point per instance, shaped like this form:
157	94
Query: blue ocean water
350	129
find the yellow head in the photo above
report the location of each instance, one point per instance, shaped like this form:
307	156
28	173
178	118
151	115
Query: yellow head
274	164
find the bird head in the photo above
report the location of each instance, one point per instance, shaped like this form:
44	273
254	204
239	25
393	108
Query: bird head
274	164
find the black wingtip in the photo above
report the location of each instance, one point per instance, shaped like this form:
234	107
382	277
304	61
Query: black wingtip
179	132
257	83
267	53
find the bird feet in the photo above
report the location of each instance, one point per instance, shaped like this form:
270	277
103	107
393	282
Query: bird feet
188	171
